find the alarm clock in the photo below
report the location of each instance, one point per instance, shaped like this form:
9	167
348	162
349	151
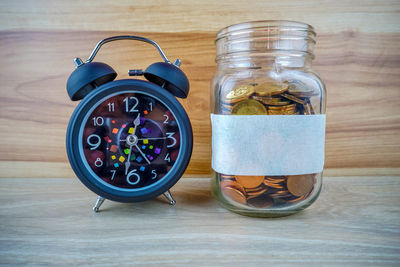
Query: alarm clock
128	140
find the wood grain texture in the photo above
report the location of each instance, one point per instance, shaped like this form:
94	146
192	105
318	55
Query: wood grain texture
363	120
354	222
357	56
192	15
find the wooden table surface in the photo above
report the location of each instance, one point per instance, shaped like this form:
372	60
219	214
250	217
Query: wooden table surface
356	221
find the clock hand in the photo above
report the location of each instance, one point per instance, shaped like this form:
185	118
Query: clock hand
128	162
143	155
136	122
153	138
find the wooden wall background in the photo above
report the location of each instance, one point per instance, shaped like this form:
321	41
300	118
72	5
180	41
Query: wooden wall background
357	55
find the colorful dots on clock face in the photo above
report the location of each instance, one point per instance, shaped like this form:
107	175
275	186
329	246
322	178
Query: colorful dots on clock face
136	134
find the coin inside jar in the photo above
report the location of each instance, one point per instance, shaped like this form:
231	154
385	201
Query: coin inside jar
249	181
298	89
293	98
233	184
255	192
234	194
249	107
270	88
261	202
299	185
239	93
269	100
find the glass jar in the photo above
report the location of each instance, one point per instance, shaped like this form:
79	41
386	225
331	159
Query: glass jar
268	119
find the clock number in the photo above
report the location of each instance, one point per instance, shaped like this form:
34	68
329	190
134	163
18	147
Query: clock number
153	172
166	118
98	121
98	162
110	107
113	174
133	109
170	135
167	158
94	144
133	178
151	106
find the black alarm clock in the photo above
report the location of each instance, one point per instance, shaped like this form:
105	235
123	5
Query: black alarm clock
128	140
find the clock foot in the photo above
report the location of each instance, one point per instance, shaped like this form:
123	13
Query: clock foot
99	201
168	195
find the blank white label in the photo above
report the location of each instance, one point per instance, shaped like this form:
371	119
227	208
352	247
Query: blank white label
268	144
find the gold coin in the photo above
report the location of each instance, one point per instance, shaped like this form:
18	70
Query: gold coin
249	181
225	108
249	107
278	103
309	107
299	185
293	98
261	202
287	107
270	88
282	111
268	100
234	195
239	93
299	89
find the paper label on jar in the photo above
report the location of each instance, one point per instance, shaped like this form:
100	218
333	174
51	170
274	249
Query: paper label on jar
268	144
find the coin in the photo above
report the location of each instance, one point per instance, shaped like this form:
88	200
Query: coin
310	107
261	202
251	193
270	88
282	112
268	100
239	93
299	89
299	185
249	181
233	184
286	107
272	185
226	177
249	107
226	108
279	194
234	194
276	179
293	98
296	199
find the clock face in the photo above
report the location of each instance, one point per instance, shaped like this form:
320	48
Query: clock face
130	140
